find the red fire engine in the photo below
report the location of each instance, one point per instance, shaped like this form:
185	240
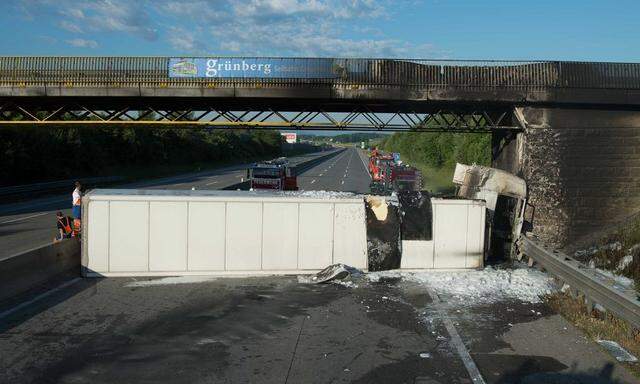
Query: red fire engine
389	174
275	175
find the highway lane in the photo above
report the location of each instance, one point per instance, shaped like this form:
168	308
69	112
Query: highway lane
31	224
345	172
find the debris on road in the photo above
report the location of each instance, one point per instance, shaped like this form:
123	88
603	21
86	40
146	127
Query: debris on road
617	351
331	273
484	286
170	281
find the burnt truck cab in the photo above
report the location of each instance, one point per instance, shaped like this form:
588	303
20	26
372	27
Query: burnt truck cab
276	175
505	195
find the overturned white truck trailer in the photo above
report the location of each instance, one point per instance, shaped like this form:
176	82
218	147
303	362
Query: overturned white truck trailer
160	233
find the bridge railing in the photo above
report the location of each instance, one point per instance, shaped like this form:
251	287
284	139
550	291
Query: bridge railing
154	71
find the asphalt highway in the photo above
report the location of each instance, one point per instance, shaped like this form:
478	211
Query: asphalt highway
31	224
277	330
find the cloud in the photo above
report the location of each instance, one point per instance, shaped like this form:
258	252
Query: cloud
249	27
70	27
82	43
95	16
185	41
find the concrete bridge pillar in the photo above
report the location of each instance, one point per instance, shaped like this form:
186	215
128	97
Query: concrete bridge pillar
582	168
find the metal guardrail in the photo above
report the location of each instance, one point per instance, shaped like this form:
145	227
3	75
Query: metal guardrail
581	279
153	72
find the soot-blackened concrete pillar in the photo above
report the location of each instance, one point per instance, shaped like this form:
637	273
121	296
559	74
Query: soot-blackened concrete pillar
582	169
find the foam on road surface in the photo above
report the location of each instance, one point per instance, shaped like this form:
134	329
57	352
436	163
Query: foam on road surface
276	330
30	224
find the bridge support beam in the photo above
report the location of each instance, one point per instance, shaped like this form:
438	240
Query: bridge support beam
582	168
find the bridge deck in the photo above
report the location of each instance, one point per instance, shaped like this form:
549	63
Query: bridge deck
303	93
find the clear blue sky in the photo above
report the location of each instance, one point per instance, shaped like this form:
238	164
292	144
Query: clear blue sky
456	29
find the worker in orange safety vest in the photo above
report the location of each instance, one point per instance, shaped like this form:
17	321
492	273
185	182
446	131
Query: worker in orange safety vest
64	226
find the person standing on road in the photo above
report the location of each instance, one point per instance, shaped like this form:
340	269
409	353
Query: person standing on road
77	201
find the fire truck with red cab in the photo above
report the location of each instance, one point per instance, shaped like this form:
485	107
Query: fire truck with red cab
389	174
277	175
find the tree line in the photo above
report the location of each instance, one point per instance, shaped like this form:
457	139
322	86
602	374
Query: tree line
34	154
441	149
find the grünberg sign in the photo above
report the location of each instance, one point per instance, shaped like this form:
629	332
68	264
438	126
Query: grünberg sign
219	67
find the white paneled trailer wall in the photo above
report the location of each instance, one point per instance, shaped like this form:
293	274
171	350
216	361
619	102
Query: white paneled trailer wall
458	240
137	232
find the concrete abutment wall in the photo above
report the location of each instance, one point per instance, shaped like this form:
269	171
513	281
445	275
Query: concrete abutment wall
582	168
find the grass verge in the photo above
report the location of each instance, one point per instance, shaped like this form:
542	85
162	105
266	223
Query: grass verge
437	180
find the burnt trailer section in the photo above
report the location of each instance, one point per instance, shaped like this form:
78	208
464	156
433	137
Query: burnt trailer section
415	231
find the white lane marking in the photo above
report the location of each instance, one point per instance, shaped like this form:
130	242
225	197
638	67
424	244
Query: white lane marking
320	175
211	183
342	182
24	218
456	340
38	298
313	181
366	168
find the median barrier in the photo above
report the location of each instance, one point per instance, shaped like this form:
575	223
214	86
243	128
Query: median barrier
24	271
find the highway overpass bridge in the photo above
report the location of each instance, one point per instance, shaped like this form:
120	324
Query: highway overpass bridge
571	129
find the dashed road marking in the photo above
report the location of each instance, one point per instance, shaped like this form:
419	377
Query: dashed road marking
456	340
211	183
313	181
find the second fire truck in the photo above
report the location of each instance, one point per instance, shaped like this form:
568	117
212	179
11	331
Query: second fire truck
389	174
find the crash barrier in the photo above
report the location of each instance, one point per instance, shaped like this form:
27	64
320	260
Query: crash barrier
450	236
144	232
595	289
27	270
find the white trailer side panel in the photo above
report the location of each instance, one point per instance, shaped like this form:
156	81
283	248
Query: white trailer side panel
316	236
280	236
207	228
167	236
98	236
154	232
417	254
128	236
244	236
349	234
458	233
475	236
